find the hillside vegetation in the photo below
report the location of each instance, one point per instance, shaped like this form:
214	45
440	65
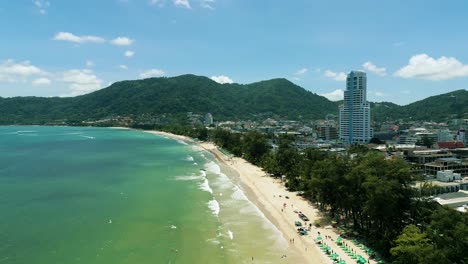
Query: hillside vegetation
175	96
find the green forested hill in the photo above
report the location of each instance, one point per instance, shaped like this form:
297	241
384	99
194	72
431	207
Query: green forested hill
173	96
435	108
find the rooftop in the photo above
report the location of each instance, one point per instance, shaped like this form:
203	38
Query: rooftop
449	159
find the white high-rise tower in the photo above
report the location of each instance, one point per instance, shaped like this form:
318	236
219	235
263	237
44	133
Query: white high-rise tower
355	111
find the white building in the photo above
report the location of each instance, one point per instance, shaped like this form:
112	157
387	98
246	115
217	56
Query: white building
355	111
448	176
461	136
208	119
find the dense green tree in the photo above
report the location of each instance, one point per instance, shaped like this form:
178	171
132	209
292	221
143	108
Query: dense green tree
449	230
254	146
425	141
412	247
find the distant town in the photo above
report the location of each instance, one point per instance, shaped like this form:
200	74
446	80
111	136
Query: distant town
437	152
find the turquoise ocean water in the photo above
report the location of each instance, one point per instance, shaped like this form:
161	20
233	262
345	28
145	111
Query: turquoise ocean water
100	195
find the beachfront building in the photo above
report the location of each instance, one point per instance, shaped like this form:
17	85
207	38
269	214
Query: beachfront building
355	111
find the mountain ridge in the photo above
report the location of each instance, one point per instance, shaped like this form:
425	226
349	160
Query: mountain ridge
175	96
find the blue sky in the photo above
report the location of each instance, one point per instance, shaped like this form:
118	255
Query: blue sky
409	49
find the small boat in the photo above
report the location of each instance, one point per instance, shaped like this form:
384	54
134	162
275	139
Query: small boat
110	221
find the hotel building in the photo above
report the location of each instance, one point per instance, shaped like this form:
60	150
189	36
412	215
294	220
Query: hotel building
355	111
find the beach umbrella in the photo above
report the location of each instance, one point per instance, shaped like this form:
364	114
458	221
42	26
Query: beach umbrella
339	239
361	259
341	262
319	238
334	256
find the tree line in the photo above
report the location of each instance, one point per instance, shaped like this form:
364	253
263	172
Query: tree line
367	192
361	189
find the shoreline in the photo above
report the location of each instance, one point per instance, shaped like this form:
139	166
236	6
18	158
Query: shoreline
264	192
269	196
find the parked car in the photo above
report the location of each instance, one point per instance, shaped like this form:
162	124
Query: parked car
303	217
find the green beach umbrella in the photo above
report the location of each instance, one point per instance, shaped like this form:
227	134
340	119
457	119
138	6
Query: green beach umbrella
341	262
339	239
319	238
334	256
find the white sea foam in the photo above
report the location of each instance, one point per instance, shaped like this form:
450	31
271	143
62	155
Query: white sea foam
189	158
197	148
205	186
223	182
213	167
231	234
203	173
182	142
26	131
90	137
214	207
238	194
214	241
195	164
189	178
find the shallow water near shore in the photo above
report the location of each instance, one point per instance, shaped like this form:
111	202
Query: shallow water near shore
99	195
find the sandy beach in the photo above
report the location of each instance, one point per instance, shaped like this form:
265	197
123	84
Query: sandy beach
269	195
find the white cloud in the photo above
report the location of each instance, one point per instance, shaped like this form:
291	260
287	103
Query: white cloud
207	4
151	73
10	71
123	67
182	3
422	66
380	94
81	81
222	79
67	36
301	71
373	68
41	6
89	63
337	76
122	41
335	95
41	81
129	53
